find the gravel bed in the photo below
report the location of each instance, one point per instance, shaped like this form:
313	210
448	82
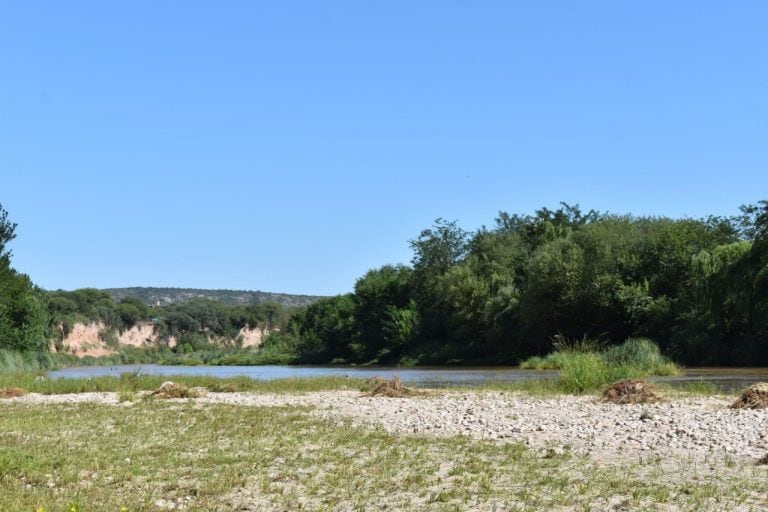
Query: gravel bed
693	428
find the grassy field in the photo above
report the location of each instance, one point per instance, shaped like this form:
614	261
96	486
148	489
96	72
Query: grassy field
155	455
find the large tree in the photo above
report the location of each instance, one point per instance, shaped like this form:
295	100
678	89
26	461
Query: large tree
23	316
7	233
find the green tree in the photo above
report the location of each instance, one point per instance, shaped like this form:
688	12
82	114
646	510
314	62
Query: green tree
436	251
327	330
383	310
7	233
132	311
23	318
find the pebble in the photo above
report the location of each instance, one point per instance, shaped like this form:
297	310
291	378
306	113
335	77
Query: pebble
687	427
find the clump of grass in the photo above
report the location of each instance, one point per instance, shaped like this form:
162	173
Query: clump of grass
12	392
582	372
584	344
630	391
553	361
641	353
754	397
588	372
14	361
700	387
393	388
126	396
583	369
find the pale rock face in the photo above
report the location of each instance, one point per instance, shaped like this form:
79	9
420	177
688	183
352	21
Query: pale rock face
252	337
84	339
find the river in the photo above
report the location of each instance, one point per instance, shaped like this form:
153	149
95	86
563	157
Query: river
724	379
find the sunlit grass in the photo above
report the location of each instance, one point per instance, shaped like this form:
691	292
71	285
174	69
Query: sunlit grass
145	456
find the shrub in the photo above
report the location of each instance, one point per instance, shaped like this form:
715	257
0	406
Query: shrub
638	352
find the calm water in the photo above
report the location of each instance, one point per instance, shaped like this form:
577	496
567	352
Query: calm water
725	379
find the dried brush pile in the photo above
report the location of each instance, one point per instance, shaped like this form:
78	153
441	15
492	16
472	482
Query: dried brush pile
630	391
393	388
754	397
171	389
12	392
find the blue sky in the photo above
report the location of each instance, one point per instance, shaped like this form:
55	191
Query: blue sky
291	146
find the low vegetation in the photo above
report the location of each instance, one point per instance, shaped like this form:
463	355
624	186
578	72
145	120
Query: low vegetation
152	455
584	367
130	382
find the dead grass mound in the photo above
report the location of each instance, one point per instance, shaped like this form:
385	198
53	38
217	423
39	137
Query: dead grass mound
630	391
754	397
12	392
171	389
393	388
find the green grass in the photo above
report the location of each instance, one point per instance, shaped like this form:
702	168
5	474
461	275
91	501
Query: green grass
38	383
13	361
588	370
135	456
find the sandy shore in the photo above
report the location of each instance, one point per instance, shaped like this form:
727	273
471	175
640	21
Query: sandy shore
700	429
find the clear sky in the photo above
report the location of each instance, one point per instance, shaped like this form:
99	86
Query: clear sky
290	146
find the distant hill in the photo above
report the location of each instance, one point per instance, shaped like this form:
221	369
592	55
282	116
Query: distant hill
165	296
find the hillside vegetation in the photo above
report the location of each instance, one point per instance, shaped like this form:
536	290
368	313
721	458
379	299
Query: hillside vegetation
165	296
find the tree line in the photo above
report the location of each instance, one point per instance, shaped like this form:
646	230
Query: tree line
698	287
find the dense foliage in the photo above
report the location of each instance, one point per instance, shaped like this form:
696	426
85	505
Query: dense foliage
197	324
165	296
699	287
22	311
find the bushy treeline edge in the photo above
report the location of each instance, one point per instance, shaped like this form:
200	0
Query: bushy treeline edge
698	287
498	295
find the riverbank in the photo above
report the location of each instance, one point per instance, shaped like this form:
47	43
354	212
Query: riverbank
341	450
701	428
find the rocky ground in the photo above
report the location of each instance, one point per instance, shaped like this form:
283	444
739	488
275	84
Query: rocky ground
697	429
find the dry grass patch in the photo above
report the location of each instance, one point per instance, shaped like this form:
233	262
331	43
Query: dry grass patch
393	388
630	391
754	397
225	457
171	389
12	392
